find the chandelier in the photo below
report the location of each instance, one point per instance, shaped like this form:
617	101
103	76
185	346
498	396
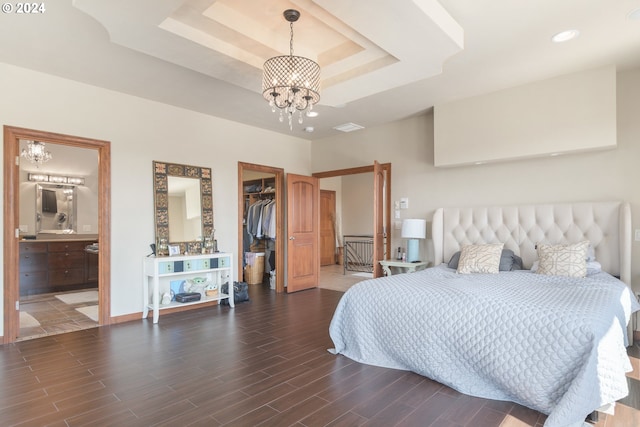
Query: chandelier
36	153
291	83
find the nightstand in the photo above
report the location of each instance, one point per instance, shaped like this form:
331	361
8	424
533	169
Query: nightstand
389	266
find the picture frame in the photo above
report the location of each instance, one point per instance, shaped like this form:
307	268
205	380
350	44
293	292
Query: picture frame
174	250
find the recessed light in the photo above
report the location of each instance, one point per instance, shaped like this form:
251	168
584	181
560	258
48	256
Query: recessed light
634	14
309	129
555	154
311	114
479	163
565	36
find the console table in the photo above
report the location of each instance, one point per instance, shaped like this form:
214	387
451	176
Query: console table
402	266
159	272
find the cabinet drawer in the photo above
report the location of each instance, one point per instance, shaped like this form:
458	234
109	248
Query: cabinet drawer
71	276
67	246
31	247
37	279
30	262
60	260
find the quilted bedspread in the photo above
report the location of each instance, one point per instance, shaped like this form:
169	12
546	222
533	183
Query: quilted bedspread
553	344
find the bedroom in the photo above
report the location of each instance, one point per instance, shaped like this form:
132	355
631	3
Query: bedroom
33	99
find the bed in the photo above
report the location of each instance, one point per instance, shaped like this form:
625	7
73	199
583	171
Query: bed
550	342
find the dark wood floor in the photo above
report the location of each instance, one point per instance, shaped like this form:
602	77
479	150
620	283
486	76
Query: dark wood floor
263	363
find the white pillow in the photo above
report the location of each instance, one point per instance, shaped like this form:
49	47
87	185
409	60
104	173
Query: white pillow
480	258
563	260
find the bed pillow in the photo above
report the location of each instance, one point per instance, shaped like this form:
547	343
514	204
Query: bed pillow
509	261
480	258
563	260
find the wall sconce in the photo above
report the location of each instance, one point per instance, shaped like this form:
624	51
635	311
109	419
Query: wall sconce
56	179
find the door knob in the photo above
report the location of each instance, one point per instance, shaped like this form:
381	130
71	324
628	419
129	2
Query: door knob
292	238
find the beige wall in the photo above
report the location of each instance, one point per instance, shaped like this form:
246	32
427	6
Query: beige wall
570	113
408	145
141	131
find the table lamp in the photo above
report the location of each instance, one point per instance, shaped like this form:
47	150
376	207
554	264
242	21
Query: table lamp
413	229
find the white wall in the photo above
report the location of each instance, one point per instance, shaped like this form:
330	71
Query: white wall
141	131
570	113
408	145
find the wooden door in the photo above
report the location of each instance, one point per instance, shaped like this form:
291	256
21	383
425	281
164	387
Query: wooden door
378	218
303	230
327	227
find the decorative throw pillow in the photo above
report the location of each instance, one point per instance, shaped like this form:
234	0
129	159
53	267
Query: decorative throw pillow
563	260
480	258
509	261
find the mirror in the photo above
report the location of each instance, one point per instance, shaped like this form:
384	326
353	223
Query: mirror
56	208
185	216
183	198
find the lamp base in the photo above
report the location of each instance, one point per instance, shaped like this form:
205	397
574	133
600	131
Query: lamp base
413	250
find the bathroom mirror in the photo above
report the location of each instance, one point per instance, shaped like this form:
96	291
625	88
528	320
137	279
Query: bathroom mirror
183	199
56	209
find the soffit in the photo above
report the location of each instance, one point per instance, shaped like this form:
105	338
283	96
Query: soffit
356	44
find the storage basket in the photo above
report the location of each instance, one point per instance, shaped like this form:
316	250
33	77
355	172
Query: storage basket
253	274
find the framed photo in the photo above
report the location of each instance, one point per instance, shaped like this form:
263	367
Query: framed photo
174	250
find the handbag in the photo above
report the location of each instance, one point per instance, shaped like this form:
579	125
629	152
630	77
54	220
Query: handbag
240	292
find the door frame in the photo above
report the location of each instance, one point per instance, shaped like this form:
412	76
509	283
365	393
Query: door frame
11	212
280	255
386	167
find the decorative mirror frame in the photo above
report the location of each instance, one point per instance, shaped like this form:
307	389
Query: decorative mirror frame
161	172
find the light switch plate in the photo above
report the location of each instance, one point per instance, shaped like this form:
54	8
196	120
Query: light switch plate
397	214
637	238
404	203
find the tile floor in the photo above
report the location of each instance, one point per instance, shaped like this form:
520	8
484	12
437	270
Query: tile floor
55	316
332	277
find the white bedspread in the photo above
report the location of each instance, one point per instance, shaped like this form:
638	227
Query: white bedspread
553	344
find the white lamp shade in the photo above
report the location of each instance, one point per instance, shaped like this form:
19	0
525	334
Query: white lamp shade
414	228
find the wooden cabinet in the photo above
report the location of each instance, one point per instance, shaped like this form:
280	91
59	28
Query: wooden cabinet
66	263
33	268
55	266
92	267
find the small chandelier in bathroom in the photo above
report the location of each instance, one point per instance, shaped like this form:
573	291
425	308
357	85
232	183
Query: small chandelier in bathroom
36	153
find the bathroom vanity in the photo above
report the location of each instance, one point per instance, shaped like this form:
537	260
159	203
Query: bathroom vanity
56	265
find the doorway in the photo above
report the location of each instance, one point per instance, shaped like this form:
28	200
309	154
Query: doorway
381	225
262	176
12	138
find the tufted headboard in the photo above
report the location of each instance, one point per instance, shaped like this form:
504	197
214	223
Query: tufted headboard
607	225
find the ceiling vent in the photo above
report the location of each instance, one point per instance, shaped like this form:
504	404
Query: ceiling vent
348	127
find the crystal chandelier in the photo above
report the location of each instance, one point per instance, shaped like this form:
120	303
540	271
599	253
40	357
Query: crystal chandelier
36	153
291	83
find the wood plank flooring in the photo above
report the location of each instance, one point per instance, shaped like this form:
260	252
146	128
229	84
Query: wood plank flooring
263	363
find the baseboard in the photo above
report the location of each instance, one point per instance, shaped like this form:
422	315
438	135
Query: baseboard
138	316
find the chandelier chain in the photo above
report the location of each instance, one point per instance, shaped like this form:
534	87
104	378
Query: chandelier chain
291	40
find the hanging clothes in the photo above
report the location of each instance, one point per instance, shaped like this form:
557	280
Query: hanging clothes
260	219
